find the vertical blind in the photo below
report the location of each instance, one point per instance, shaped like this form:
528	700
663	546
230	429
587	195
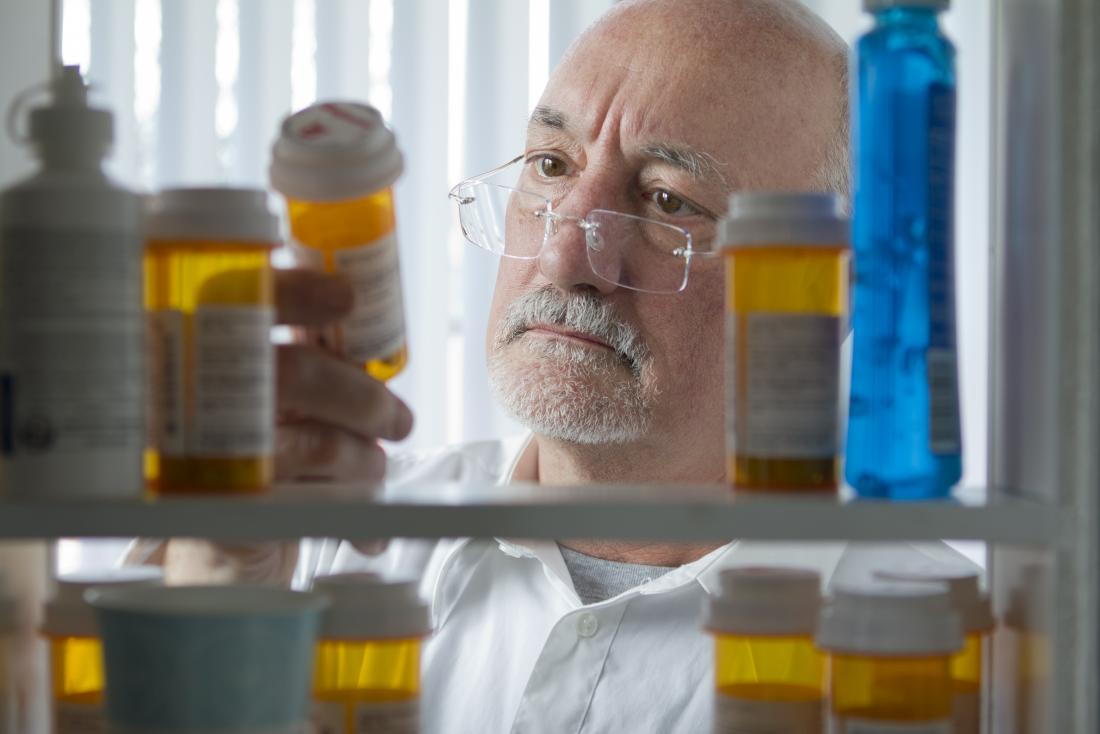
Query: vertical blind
198	88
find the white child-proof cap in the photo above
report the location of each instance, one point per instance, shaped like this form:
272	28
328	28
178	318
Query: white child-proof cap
974	608
762	600
213	214
333	151
364	606
68	615
886	619
758	218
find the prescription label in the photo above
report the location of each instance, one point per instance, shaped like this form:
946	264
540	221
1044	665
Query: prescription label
234	382
787	406
359	717
78	718
734	715
375	328
864	726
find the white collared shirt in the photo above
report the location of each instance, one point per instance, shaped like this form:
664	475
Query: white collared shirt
515	650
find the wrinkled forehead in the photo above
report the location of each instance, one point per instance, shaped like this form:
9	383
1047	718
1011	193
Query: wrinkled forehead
761	114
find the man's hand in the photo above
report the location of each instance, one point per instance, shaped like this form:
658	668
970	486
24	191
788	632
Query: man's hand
331	413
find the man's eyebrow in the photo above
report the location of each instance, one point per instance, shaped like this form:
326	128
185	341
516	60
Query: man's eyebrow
695	162
544	116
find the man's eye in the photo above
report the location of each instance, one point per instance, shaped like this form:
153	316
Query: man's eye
670	203
550	167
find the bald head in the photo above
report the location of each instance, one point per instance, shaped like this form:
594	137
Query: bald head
772	65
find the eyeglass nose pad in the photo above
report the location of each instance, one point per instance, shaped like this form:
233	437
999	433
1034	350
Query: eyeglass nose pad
592	237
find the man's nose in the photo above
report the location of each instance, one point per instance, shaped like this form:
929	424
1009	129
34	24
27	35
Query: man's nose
564	259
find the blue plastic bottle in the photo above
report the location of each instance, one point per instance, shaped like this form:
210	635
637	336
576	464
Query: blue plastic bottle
904	437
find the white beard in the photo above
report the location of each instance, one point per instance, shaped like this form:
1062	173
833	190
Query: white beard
569	392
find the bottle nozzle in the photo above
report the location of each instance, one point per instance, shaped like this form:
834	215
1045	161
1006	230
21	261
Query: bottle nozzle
68	88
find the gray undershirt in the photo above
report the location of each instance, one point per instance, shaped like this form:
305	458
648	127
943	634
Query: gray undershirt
598	580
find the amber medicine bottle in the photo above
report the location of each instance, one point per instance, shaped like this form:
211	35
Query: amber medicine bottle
209	300
336	164
367	674
76	653
976	614
890	647
769	676
786	258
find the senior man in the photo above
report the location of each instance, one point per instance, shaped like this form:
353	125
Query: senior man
608	345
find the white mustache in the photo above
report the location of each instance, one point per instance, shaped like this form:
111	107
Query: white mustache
584	313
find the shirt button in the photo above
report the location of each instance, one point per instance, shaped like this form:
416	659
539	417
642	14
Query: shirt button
587	625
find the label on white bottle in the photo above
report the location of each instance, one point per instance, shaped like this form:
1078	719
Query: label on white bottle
167	399
376	326
867	726
71	374
234	373
383	717
792	376
734	715
78	718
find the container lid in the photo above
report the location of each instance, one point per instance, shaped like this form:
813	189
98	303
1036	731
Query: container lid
890	619
222	602
974	608
67	613
808	218
216	214
364	606
871	6
762	600
67	128
332	151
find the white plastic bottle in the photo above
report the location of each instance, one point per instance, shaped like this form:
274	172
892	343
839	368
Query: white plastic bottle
71	325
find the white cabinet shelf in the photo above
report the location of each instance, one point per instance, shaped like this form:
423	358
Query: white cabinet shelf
529	511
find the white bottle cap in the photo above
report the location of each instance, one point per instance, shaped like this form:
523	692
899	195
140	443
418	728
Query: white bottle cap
364	606
871	6
890	619
67	128
333	151
766	601
214	214
68	615
974	608
790	219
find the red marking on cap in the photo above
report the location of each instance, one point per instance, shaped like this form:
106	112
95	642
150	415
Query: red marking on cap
313	130
337	111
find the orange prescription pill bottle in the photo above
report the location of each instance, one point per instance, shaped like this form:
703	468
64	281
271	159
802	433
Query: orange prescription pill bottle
786	258
76	653
367	674
769	676
976	613
336	164
209	301
890	647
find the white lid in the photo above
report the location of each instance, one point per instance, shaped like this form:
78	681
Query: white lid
236	214
784	218
766	601
872	5
333	151
68	615
890	619
974	608
67	128
364	606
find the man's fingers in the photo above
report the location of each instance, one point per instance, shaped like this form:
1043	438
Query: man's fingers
320	387
311	451
311	298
